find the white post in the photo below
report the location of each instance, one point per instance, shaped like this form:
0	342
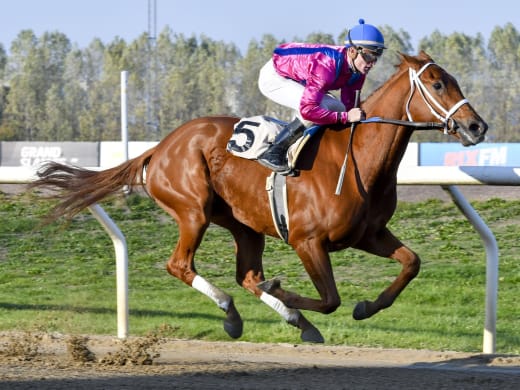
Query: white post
124	116
118	239
490	243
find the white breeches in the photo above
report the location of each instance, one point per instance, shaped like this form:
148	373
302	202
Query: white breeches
288	93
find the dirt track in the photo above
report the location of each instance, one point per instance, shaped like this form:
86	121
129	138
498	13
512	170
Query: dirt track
474	192
49	362
408	193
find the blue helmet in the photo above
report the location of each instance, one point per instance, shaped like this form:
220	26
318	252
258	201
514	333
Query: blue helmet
365	36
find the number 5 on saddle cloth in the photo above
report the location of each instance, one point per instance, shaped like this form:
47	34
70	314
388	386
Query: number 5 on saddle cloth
252	137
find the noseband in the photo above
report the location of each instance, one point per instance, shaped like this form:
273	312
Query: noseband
444	115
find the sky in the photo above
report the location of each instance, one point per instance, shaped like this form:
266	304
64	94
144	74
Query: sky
238	22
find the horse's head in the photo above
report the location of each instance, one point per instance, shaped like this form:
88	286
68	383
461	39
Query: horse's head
436	95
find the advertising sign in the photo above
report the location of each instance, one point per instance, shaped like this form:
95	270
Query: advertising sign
484	154
33	154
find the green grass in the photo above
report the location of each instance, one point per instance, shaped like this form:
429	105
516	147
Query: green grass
62	278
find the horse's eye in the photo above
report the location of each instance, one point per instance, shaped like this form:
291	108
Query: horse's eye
437	86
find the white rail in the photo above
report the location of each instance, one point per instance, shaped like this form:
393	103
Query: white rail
121	249
447	177
490	243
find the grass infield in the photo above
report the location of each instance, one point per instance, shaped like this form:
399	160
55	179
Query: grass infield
61	278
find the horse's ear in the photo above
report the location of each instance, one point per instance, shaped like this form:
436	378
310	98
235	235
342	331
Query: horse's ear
425	56
407	59
415	61
402	56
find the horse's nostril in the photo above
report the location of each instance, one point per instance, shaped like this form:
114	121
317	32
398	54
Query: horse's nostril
478	127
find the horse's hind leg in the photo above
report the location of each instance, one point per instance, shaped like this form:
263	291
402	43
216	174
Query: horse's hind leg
385	244
249	274
181	265
233	324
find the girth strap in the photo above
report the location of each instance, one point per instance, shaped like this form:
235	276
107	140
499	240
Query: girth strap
277	192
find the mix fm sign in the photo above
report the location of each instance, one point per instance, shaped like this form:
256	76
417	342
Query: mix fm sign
454	154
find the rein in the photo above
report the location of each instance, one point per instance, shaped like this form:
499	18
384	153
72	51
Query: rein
415	125
416	83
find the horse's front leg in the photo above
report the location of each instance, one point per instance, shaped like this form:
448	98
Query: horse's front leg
385	244
317	263
250	275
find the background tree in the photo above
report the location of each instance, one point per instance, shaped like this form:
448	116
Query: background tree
55	124
36	66
3	62
138	60
87	75
249	100
22	98
501	87
178	92
214	62
52	91
318	37
4	89
102	121
75	96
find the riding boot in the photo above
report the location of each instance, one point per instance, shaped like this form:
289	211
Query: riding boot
275	158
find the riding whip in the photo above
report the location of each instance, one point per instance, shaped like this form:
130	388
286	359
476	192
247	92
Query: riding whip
344	166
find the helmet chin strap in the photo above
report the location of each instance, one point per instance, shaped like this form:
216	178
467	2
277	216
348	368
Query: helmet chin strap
356	70
352	61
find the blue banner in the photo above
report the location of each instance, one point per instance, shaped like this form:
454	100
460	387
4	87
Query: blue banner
454	154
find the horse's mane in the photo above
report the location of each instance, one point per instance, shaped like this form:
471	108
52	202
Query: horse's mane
407	61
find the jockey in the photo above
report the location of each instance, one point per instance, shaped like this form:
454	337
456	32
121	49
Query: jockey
300	75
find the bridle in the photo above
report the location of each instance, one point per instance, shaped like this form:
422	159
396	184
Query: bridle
449	125
441	113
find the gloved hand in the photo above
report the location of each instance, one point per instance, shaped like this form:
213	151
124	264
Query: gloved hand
356	114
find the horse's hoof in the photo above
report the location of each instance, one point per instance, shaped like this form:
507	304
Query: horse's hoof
360	311
233	324
312	335
233	328
269	286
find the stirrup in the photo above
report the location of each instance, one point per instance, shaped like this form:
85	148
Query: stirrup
282	169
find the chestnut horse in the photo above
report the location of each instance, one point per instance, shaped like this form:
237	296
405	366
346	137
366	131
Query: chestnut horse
192	176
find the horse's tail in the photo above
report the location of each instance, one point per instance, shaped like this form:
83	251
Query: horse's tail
77	188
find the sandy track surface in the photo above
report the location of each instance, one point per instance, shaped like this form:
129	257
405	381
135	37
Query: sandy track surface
407	193
96	362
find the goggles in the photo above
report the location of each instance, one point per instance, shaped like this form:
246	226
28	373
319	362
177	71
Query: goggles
369	56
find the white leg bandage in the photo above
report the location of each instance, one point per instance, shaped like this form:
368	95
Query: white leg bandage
290	315
218	296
